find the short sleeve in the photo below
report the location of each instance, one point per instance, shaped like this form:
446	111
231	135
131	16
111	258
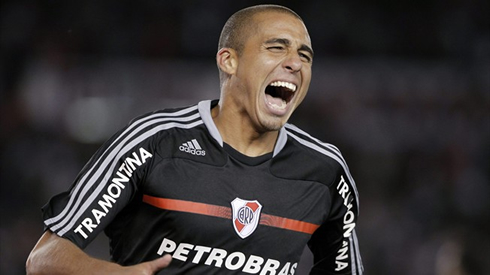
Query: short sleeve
334	244
102	189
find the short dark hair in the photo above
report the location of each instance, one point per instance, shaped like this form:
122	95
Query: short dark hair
240	25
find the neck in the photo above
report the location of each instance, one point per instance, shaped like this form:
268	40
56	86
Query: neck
237	132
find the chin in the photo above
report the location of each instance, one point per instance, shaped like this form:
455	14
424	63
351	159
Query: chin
272	123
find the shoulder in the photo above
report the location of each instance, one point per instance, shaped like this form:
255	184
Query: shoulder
312	146
171	116
153	123
331	167
149	130
306	157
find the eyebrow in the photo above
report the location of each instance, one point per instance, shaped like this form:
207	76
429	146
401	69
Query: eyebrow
286	42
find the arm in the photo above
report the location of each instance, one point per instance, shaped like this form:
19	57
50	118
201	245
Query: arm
72	219
55	255
334	245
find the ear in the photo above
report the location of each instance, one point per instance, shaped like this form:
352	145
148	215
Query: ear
227	60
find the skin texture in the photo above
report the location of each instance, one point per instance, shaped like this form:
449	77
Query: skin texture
279	50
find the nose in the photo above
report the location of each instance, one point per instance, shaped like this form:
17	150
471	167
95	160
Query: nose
293	63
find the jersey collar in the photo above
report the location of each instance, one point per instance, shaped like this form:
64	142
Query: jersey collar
205	112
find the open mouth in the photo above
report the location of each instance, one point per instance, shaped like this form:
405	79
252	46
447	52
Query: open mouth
280	93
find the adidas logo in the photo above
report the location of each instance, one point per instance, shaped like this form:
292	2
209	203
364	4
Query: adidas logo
192	147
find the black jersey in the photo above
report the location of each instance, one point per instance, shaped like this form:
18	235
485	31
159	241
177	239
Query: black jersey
167	184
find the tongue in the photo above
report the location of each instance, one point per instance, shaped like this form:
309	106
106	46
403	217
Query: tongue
276	102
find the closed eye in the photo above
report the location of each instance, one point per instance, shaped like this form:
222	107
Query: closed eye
305	57
275	48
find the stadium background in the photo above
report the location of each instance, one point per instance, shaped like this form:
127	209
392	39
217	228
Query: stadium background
401	87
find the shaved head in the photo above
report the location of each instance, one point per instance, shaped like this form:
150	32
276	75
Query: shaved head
240	25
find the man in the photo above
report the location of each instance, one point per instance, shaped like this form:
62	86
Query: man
222	187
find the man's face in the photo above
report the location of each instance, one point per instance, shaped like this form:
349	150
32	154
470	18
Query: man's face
274	70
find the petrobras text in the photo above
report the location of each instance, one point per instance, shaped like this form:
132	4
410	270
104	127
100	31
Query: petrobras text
220	258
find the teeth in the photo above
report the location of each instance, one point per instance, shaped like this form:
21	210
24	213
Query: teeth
288	85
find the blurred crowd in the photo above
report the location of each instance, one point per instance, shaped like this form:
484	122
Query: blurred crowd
401	87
